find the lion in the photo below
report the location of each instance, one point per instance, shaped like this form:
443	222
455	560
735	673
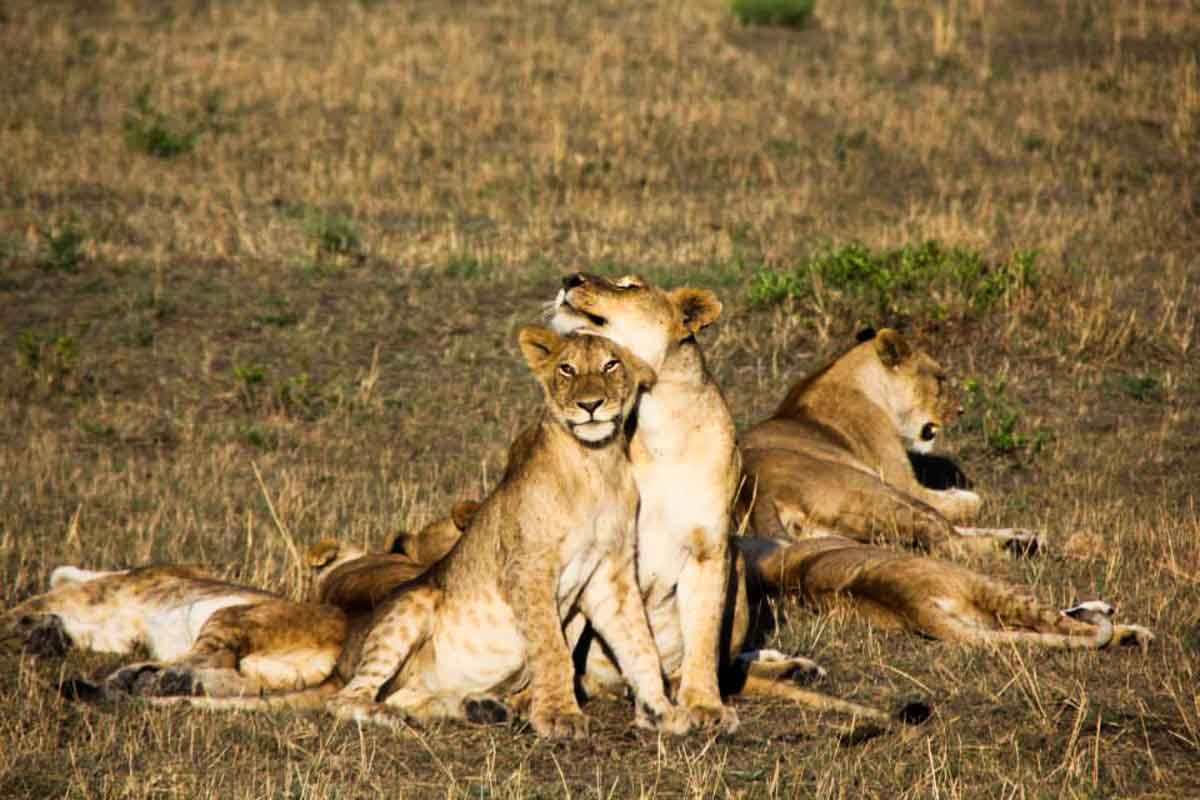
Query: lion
687	468
360	582
833	458
215	640
203	635
553	542
924	595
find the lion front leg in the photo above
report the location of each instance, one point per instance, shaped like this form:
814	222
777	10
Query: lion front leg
613	604
553	710
700	595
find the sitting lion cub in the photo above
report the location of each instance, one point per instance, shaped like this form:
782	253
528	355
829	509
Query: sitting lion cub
554	540
832	459
924	595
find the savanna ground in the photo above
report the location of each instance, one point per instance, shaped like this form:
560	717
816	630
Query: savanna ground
296	239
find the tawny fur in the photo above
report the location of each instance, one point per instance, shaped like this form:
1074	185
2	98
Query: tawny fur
687	468
203	634
834	457
360	584
896	590
553	542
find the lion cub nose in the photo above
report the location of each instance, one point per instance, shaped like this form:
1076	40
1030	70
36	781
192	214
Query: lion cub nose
589	406
573	280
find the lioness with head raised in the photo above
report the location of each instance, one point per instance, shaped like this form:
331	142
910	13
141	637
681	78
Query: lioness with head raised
553	542
833	457
686	465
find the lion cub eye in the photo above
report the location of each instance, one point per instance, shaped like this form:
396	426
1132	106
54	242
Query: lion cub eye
611	365
566	370
629	283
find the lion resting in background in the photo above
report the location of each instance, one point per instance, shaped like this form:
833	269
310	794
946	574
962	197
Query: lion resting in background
896	590
833	458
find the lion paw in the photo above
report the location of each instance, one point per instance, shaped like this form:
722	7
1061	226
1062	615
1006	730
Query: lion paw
1023	543
485	711
135	679
178	683
672	720
711	714
362	712
559	725
47	638
1135	635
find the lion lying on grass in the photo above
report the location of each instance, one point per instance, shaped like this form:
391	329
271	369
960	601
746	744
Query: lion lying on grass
833	457
896	590
203	634
206	636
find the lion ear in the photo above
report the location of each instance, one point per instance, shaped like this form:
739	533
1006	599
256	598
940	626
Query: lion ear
891	347
699	307
323	553
538	345
642	372
463	512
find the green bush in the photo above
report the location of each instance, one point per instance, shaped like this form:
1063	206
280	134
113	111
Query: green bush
62	249
788	13
925	278
152	132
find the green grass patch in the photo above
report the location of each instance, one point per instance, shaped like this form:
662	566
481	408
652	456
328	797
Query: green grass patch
155	133
61	247
928	279
468	267
786	13
998	420
1143	388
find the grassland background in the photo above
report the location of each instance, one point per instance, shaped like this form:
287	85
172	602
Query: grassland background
298	237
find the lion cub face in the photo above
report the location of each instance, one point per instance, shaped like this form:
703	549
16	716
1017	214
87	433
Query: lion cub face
590	382
646	320
921	400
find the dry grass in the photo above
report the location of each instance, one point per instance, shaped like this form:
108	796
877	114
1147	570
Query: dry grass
296	238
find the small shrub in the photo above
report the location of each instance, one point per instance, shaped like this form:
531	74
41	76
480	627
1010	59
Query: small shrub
51	361
260	438
62	248
278	314
989	412
465	267
333	234
334	238
787	13
1143	388
152	132
250	380
926	279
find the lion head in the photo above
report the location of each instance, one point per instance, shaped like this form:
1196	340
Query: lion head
590	382
644	319
915	391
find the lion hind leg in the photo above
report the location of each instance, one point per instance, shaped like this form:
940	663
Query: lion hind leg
1093	634
392	641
